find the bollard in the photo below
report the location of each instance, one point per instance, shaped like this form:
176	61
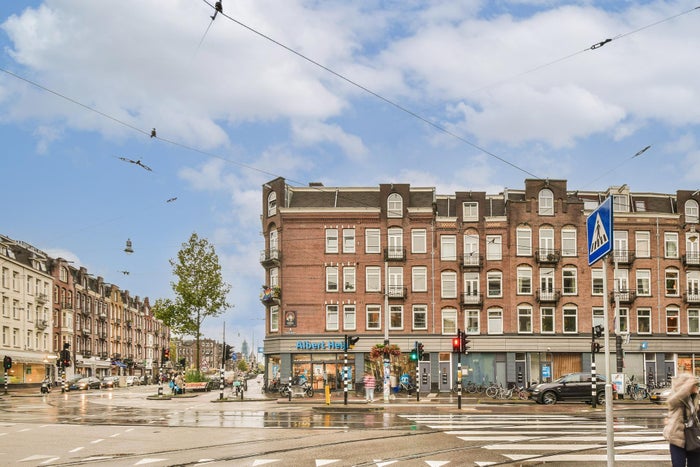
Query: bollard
327	390
290	389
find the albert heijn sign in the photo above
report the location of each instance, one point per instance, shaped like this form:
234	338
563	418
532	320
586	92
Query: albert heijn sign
599	226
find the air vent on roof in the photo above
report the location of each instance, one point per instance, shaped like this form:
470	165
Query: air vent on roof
315	184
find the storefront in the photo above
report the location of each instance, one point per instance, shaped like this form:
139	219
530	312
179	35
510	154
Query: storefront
28	368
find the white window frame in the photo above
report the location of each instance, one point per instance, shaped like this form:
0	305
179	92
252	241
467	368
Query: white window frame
472	323
494	276
448	284
620	203
395	278
569	241
419	279
471	249
331	240
694	318
370	310
349	279
692	286
642	244
672	278
395	311
419	310
494	248
547	312
373	279
670	244
470	211
597	279
419	241
449	321
569	274
525	320
274	318
644	314
523	241
271	204
623	318
691	211
568	313
348	240
495	321
448	247
643	281
672	311
331	276
545	202
395	242
394	205
349	317
332	317
524	280
373	241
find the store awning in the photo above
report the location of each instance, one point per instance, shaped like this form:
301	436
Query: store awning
119	364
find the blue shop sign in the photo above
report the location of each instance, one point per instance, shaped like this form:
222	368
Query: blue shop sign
320	345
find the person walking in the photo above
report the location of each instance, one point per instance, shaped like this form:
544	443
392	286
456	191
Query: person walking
369	383
682	405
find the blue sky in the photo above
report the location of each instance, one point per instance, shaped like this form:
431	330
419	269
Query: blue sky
514	79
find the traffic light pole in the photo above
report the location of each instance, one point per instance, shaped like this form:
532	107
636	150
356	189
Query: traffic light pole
345	373
160	379
594	388
5	381
417	375
459	381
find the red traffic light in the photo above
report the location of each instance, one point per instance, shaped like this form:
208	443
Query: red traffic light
456	344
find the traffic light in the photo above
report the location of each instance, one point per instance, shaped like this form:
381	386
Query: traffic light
166	354
228	352
414	352
350	342
65	358
7	362
595	347
420	351
464	341
457	343
597	331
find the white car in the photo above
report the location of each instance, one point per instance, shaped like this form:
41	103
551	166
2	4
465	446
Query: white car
132	381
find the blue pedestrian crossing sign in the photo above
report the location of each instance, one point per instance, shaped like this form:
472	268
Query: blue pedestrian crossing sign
599	225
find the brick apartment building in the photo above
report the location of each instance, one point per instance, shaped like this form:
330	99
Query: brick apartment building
511	269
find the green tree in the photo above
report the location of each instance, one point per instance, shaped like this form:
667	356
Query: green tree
242	365
200	291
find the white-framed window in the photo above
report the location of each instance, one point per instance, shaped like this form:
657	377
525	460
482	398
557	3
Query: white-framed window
692	279
598	316
495	321
643	282
621	203
569	281
274	318
546	202
449	321
471	249
568	241
642	241
570	319
524	278
691	211
419	279
671	244
643	321
547	283
331	240
693	321
493	248
471	287
373	317
419	241
348	240
524	319
448	247
349	317
394	205
274	277
620	245
420	317
448	284
331	278
395	316
472	321
673	321
373	241
349	279
272	204
523	241
395	242
547	320
470	211
546	243
373	279
395	282
494	280
274	244
596	281
623	318
332	318
672	282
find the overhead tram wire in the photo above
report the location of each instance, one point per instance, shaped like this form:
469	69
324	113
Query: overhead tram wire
638	153
376	94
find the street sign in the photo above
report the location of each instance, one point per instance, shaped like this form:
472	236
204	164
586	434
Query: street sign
599	226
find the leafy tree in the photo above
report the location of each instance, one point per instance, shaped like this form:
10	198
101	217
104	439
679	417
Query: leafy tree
242	365
200	291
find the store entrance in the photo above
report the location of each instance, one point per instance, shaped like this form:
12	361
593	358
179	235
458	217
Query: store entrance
323	371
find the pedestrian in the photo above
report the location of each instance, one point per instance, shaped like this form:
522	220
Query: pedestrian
179	383
682	405
370	383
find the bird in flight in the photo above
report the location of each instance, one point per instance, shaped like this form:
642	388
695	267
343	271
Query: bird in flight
170	200
138	162
126	273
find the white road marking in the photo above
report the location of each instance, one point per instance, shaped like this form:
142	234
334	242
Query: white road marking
77	449
149	460
264	462
95	441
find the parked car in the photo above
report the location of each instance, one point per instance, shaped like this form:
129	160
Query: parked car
132	381
86	383
110	382
571	387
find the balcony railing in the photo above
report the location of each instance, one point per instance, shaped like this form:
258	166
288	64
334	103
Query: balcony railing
41	298
622	256
624	295
469	298
691	259
547	295
103	316
269	257
692	297
472	260
66	306
394	254
547	255
87	353
396	291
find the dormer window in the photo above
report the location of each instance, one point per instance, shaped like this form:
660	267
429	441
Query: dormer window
546	202
691	211
394	205
272	204
621	203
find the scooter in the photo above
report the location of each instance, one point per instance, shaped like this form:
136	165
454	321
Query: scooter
45	387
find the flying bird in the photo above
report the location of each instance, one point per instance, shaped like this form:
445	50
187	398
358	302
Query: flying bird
218	9
126	273
138	162
153	133
170	200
